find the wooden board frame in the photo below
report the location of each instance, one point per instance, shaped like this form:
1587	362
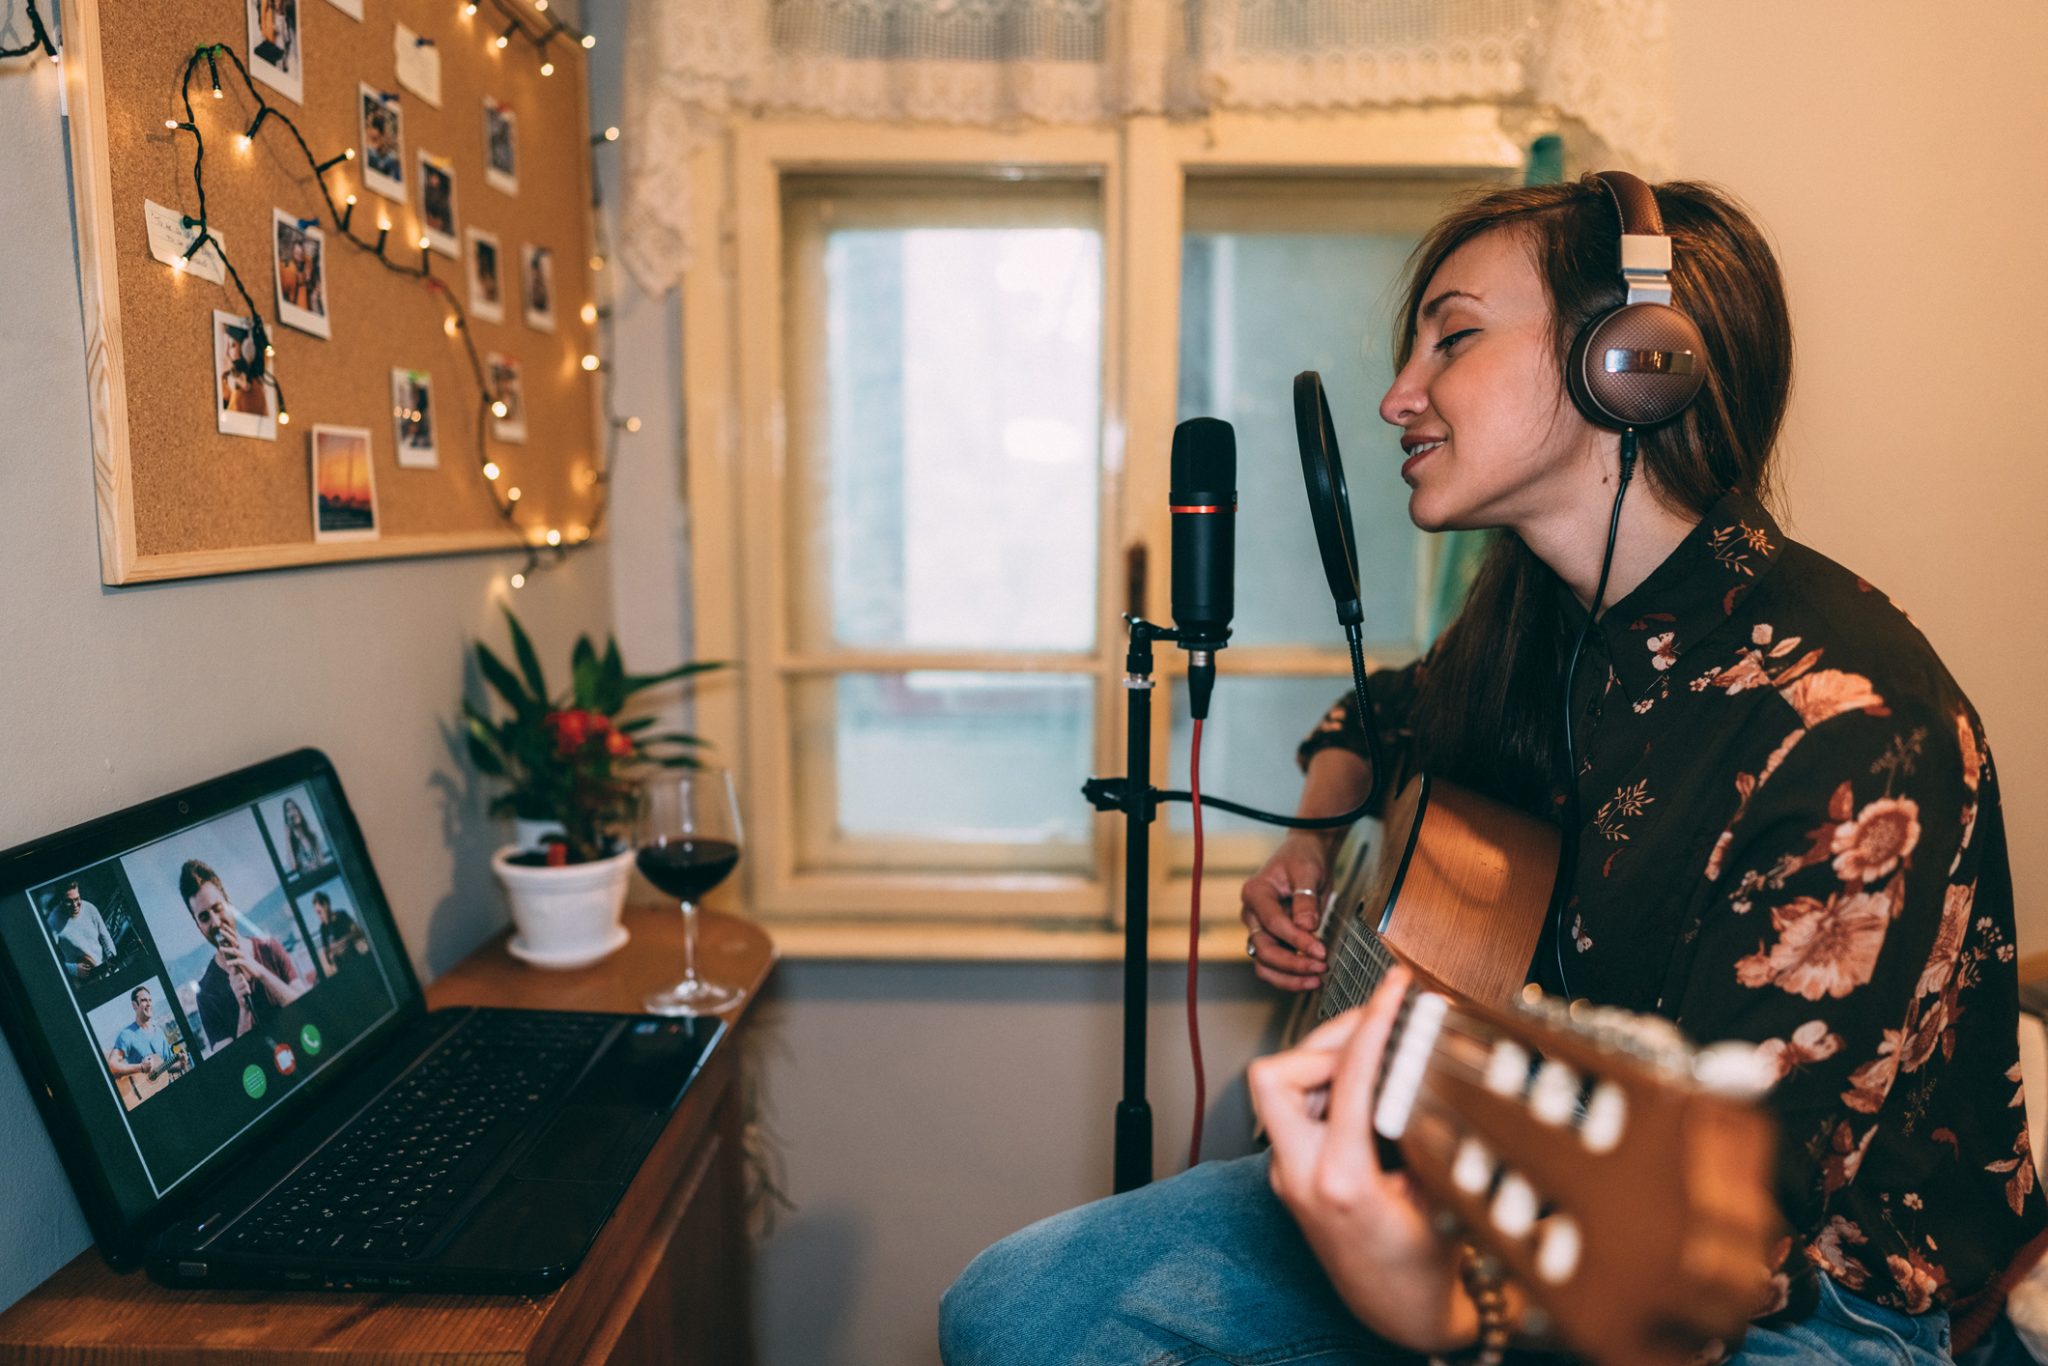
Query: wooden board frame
175	498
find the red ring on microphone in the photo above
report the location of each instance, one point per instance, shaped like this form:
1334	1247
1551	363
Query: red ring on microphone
1199	507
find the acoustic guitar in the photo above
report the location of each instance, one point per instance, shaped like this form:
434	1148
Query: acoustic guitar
1618	1174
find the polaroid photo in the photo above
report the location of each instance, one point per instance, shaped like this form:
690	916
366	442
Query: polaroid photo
437	204
276	56
537	278
352	8
508	387
501	146
344	498
412	419
300	268
245	403
486	277
417	63
383	138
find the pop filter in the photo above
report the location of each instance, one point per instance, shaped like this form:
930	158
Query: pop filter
1329	505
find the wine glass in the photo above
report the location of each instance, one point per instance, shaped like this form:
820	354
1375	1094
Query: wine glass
689	839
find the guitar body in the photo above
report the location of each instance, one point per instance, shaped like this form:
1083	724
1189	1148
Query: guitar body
1458	885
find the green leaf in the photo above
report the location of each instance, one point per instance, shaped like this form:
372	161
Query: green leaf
529	662
583	662
612	688
674	738
637	682
638	723
483	750
507	683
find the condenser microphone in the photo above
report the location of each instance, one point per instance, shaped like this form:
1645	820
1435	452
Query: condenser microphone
1203	500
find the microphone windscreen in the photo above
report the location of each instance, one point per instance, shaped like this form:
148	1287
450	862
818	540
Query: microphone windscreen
1204	455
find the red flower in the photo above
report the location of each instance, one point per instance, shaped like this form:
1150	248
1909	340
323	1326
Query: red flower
617	745
570	729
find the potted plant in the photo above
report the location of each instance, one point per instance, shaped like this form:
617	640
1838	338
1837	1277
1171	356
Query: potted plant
570	769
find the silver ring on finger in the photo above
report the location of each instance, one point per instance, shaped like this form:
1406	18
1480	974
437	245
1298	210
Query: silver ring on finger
1304	891
1251	944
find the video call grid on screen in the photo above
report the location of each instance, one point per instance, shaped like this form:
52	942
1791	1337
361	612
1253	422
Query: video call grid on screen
128	919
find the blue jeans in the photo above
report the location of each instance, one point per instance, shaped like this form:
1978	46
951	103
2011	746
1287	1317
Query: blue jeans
1208	1267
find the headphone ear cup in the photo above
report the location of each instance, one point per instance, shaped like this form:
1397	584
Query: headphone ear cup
1653	391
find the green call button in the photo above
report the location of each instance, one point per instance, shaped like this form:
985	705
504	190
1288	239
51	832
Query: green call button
254	1082
309	1039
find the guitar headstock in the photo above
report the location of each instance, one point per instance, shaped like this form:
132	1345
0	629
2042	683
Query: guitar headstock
1619	1175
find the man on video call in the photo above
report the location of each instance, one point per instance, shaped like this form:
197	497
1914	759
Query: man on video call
251	977
339	933
83	943
141	1047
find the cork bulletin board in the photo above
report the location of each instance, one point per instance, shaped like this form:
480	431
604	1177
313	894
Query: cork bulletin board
180	497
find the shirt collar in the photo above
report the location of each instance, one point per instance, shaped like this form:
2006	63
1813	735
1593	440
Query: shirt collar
1696	589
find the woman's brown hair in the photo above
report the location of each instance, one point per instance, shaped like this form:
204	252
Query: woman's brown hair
1488	717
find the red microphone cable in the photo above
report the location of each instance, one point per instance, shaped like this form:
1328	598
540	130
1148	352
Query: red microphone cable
1195	948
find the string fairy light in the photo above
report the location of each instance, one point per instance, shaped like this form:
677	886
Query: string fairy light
39	39
341	214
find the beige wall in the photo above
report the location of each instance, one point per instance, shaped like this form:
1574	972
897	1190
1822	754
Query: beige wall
1894	151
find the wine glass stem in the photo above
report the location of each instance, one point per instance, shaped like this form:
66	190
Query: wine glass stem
689	942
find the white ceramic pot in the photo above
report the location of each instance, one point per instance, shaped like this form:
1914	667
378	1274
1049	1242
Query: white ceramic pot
567	916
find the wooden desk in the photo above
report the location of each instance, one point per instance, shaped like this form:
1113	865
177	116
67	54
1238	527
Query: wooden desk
666	1282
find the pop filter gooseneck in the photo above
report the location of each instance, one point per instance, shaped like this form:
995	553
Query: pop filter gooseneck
1329	507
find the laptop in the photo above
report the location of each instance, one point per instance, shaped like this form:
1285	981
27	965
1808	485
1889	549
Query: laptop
218	1020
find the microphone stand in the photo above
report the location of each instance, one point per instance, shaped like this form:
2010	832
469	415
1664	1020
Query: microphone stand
1134	795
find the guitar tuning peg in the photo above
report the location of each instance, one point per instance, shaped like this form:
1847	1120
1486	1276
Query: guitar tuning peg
1557	1249
1514	1206
1507	1068
1473	1167
1733	1069
1606	1116
1555	1094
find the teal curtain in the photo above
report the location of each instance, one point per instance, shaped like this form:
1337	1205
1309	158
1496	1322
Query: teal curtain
1458	552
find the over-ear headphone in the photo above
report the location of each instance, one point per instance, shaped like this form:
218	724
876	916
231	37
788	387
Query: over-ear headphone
1639	364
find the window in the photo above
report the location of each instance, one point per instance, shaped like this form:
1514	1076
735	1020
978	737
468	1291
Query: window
959	358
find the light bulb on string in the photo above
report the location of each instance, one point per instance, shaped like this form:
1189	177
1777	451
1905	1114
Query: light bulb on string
451	325
589	42
554	536
597	263
505	38
498	409
632	424
540	6
591	362
491	470
512	495
518	580
284	419
547	68
470	9
588	313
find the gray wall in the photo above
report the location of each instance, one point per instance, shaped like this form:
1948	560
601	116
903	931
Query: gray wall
111	696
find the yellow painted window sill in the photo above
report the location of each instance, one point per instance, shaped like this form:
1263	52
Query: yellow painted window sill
841	940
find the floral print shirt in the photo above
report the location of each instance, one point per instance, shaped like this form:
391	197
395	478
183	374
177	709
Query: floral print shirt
1791	834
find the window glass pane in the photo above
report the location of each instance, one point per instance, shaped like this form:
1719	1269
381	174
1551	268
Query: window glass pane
1247	747
1278	277
979	770
948	499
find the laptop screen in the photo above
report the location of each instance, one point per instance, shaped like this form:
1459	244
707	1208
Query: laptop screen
184	986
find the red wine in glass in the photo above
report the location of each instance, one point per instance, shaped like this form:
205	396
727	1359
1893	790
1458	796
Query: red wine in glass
689	841
687	869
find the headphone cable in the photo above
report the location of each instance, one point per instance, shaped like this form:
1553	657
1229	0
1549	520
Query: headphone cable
1568	845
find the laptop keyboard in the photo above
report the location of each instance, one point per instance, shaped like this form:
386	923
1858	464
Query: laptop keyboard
390	1183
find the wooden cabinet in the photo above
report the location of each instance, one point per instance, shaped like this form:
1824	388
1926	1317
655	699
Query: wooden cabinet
667	1281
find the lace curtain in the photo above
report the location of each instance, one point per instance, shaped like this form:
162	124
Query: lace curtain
692	64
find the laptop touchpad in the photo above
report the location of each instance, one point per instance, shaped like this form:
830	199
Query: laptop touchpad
602	1143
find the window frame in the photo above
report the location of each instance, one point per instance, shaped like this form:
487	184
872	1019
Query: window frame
736	431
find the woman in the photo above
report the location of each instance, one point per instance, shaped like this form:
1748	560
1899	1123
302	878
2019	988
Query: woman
1787	832
302	845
